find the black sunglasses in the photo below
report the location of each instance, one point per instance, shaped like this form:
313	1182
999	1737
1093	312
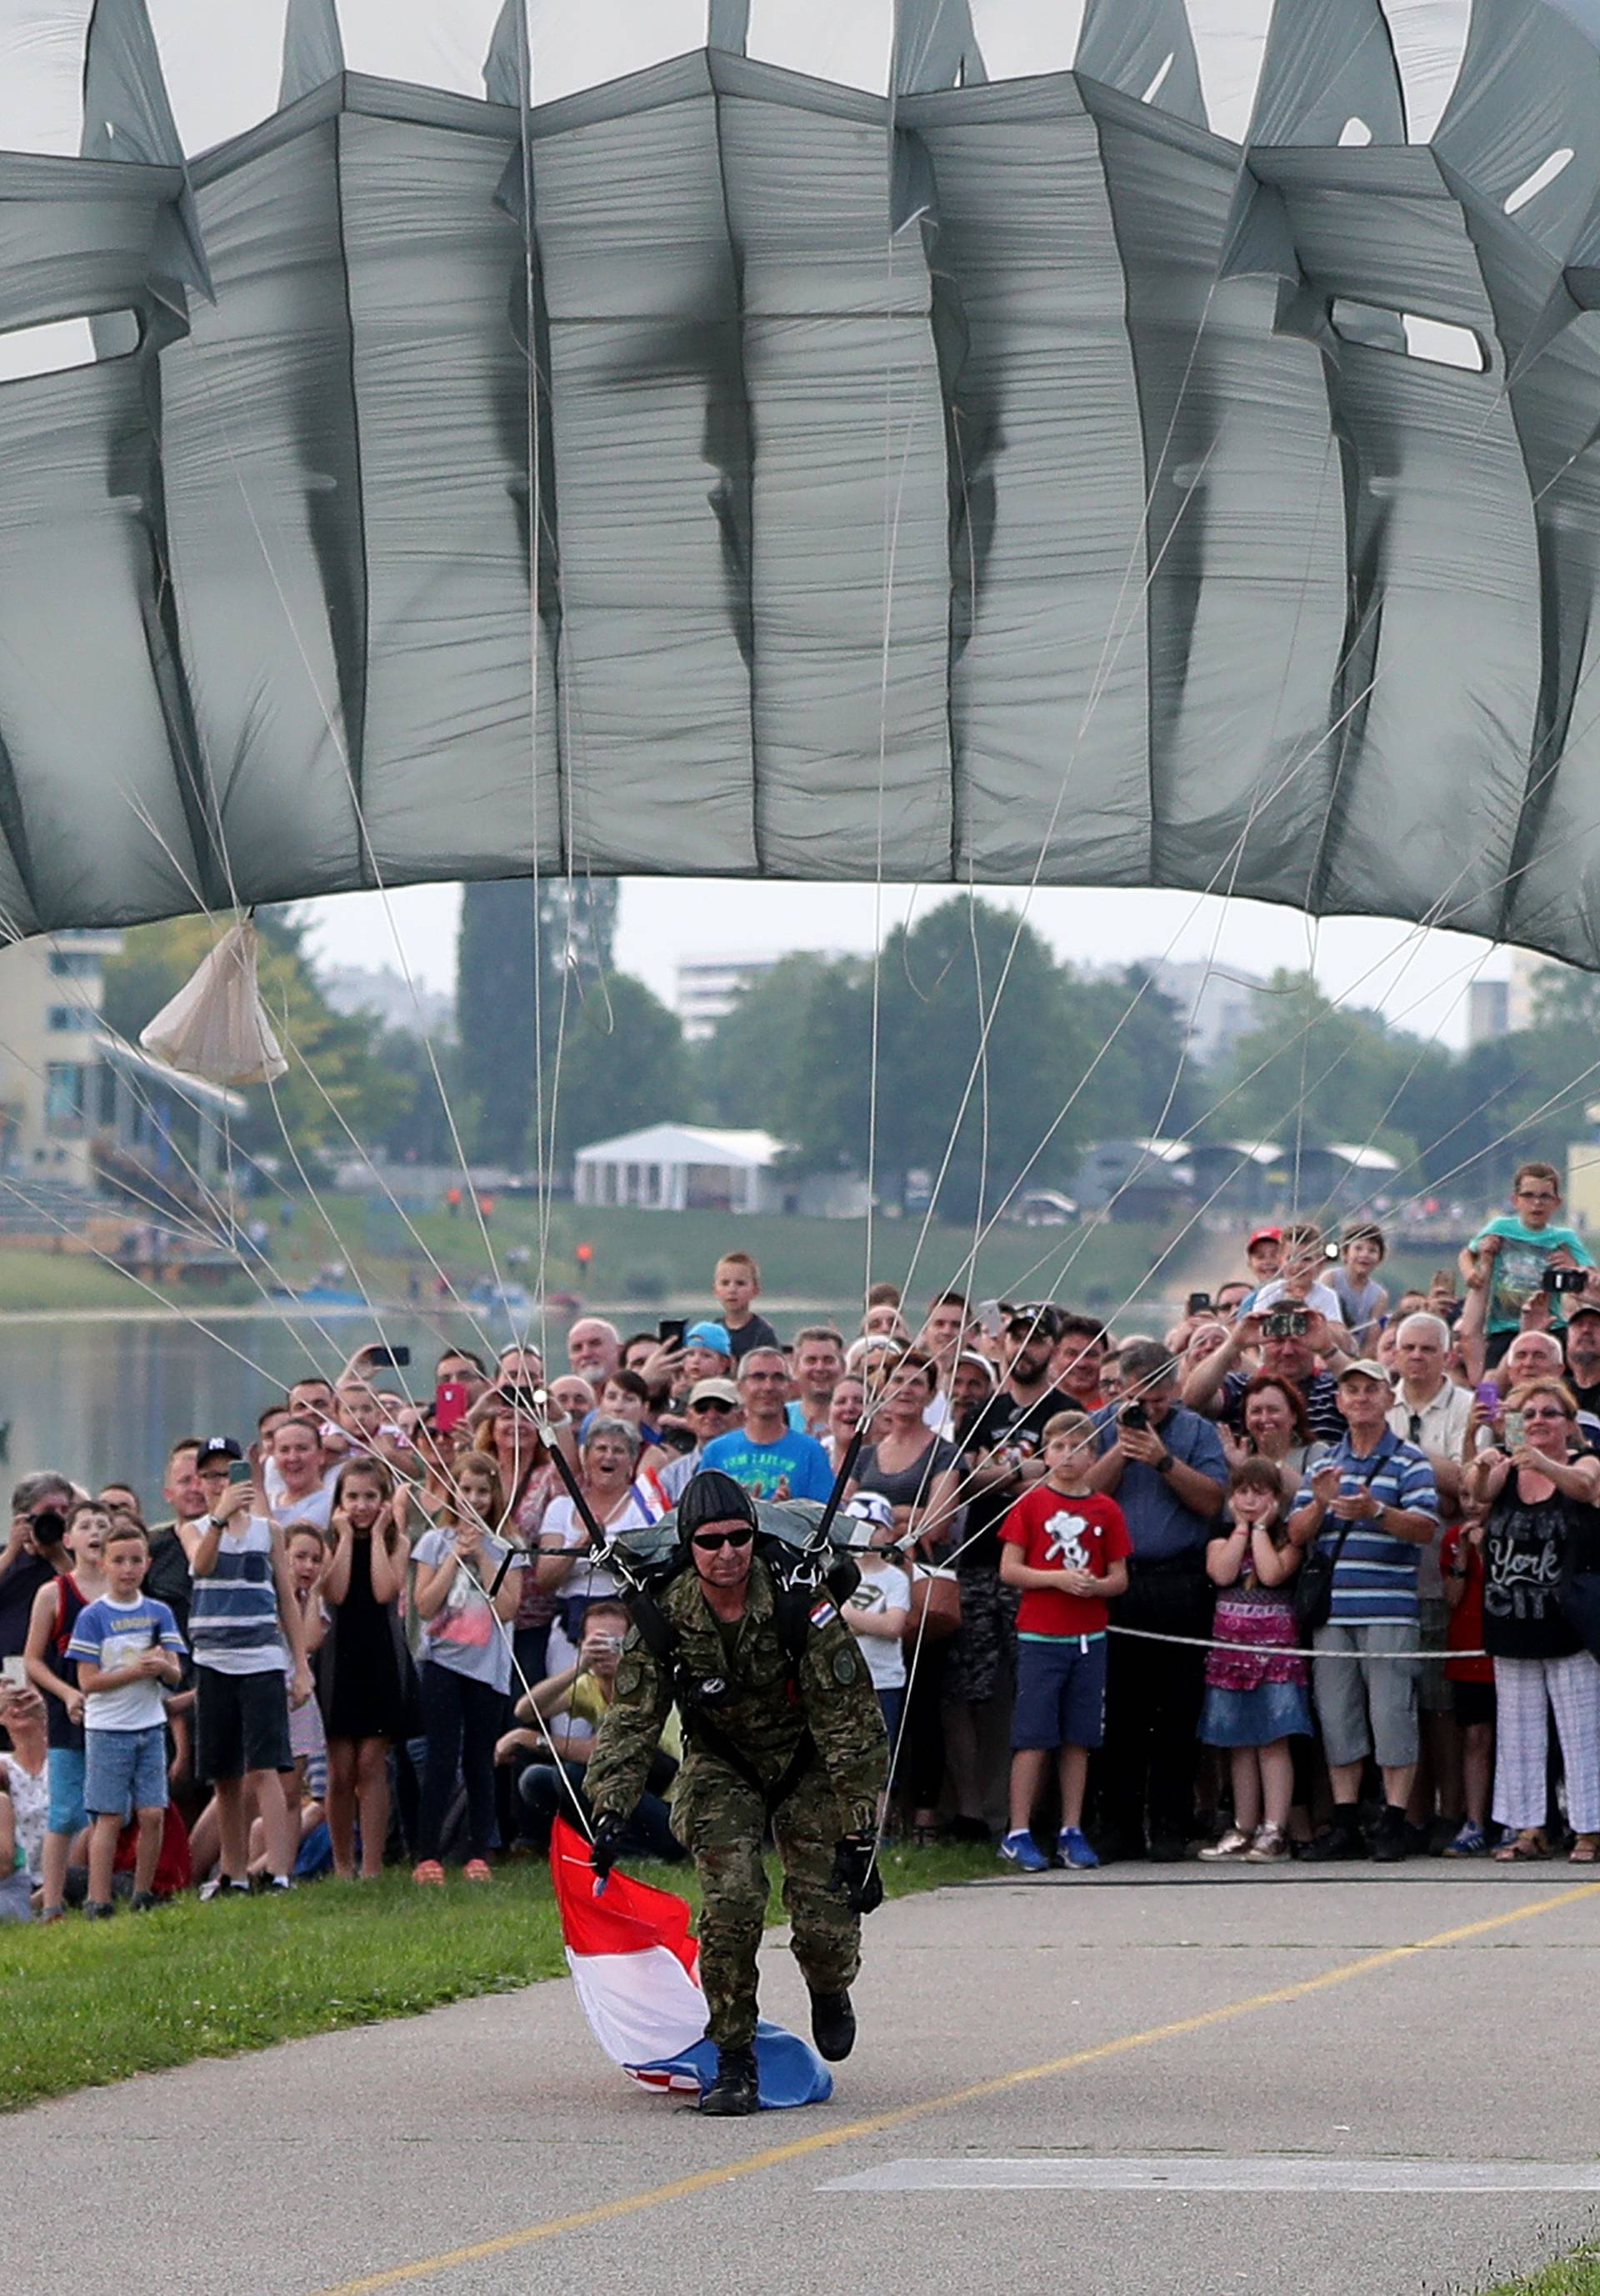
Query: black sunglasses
712	1541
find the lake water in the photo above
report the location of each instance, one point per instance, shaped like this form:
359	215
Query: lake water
105	1396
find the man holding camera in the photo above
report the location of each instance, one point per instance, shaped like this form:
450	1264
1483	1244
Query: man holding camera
1287	1342
1164	1464
26	1560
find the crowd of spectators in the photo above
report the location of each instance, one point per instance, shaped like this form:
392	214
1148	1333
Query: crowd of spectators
1307	1573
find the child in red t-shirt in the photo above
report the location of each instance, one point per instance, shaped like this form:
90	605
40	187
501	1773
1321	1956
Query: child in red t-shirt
1472	1682
1066	1548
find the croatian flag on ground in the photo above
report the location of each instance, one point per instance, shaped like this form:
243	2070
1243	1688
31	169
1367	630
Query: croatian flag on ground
636	1969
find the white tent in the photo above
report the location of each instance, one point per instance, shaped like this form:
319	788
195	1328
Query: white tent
680	1167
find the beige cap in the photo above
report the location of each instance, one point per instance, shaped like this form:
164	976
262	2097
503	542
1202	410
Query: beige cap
715	1391
1366	1367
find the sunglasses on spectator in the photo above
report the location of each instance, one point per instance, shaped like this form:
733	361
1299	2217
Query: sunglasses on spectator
711	1542
713	1403
1545	1414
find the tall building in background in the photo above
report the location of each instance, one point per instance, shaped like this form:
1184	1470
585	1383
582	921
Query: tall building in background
709	986
1216	1006
1503	1008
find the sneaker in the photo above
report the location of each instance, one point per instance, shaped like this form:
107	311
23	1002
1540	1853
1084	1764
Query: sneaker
142	1900
1022	1850
279	1882
96	1910
219	1886
1472	1842
1269	1845
1074	1848
51	1914
1233	1843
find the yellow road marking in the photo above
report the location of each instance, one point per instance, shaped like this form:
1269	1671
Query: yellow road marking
822	2140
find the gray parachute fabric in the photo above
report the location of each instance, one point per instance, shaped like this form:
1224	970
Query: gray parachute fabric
722	469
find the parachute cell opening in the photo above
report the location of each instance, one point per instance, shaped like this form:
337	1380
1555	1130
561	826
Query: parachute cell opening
58	346
1435	342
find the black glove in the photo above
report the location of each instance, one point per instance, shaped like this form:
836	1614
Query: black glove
856	1872
605	1848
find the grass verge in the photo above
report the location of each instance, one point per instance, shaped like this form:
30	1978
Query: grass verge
1578	2274
92	2002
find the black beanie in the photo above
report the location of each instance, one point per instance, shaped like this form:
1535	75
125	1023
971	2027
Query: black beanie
712	1496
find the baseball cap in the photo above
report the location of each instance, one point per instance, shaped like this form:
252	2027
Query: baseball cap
1366	1367
1264	1235
873	1512
215	1449
708	1334
1040	1317
715	1391
1585	1304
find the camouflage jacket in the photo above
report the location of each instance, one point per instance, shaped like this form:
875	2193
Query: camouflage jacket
763	1717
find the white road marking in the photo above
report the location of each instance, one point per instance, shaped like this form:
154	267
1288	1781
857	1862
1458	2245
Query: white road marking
1190	2173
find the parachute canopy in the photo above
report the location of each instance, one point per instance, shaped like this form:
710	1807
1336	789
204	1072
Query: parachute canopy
1133	443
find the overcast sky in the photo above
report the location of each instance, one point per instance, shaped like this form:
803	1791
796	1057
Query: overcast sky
1419	979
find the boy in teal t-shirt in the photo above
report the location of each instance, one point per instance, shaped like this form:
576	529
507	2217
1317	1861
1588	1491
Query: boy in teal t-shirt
1511	1251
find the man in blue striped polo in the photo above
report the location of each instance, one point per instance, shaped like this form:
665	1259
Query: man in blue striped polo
245	1631
1372	1497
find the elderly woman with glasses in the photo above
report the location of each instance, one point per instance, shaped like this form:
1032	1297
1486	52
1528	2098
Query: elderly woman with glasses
1538	1491
608	1461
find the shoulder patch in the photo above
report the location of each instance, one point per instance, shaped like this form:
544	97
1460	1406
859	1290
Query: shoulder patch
823	1613
630	1674
846	1666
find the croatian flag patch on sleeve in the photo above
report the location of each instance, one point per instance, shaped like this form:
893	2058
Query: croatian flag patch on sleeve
822	1612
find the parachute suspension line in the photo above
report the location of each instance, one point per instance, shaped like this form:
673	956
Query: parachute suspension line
1033	888
173	1307
889	539
1070	1252
336	1351
341	1247
536	543
340	750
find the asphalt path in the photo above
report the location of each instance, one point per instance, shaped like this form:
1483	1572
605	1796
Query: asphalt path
1151	2080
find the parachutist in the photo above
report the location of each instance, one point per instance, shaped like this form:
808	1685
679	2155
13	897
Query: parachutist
781	1725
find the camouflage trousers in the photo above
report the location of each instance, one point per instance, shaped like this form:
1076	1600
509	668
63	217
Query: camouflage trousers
721	1821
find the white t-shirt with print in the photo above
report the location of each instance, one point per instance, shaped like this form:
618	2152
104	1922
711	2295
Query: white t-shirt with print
884	1587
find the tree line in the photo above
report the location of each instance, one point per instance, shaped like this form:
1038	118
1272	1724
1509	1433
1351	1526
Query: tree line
997	1061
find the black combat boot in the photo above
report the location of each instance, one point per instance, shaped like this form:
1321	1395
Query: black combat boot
734	2090
832	2025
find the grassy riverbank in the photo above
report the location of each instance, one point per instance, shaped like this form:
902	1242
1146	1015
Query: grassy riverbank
640	1262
